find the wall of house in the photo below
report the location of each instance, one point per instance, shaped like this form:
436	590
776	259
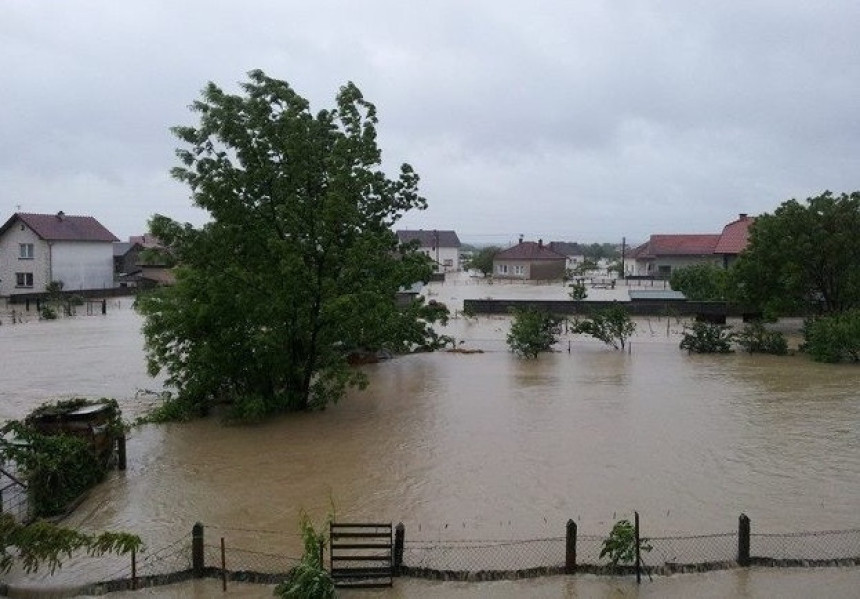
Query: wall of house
11	263
82	264
652	267
534	270
449	258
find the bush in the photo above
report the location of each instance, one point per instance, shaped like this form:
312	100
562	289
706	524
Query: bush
613	326
532	332
578	292
707	338
833	338
48	313
309	579
755	338
620	545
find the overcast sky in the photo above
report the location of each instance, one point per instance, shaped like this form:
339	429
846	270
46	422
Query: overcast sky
562	120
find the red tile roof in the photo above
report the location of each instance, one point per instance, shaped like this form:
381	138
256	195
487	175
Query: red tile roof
529	250
429	238
60	227
677	245
735	236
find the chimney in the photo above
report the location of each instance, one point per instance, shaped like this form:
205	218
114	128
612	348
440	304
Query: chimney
60	215
540	243
521	237
742	216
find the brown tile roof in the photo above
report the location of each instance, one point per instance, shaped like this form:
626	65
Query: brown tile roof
677	245
529	250
60	227
429	238
735	236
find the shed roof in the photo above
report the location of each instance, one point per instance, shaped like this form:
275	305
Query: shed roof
430	238
529	250
61	227
677	245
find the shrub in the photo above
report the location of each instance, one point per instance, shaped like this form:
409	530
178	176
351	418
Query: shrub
620	545
48	313
309	579
833	338
755	338
613	326
533	331
707	338
578	291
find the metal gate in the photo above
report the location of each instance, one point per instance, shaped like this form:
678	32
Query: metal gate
362	555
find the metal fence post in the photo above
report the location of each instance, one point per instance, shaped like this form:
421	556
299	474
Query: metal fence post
570	548
638	557
223	566
744	540
399	540
197	560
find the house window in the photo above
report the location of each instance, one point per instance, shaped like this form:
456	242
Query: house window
449	262
23	279
519	270
502	269
25	251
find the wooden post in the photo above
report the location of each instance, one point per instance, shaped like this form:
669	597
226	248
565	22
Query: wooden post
570	548
399	540
197	556
743	540
133	569
104	306
223	567
636	536
120	452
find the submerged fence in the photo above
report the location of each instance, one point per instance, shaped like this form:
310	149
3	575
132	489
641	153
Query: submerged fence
233	554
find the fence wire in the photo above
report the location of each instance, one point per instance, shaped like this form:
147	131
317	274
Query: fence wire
809	546
484	555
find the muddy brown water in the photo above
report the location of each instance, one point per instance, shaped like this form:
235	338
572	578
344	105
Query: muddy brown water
471	446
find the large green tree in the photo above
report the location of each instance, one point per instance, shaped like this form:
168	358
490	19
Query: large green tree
803	258
700	282
482	259
298	266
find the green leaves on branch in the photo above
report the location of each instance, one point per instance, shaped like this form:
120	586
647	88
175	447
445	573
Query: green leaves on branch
707	338
701	282
620	545
532	332
613	326
298	266
309	579
834	338
482	259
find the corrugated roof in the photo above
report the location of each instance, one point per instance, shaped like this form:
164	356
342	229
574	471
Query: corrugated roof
735	236
61	227
430	238
529	250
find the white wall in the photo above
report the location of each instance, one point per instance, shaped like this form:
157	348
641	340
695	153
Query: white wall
444	254
82	264
11	263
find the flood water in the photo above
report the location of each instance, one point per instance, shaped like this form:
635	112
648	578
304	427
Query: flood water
477	446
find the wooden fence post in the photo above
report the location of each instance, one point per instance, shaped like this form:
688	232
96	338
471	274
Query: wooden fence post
223	566
120	452
638	557
744	540
197	556
133	569
570	548
399	540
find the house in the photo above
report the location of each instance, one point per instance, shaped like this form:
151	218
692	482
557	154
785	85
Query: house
134	268
662	254
574	252
529	260
443	247
36	249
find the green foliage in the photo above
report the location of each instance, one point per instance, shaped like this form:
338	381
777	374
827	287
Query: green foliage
597	251
700	282
533	331
309	579
48	313
43	543
620	545
707	338
834	338
578	291
482	259
298	266
584	267
755	338
803	258
612	325
58	468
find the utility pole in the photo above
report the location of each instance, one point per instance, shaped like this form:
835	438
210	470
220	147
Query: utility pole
623	253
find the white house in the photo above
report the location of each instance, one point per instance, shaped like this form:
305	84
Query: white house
36	249
443	247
